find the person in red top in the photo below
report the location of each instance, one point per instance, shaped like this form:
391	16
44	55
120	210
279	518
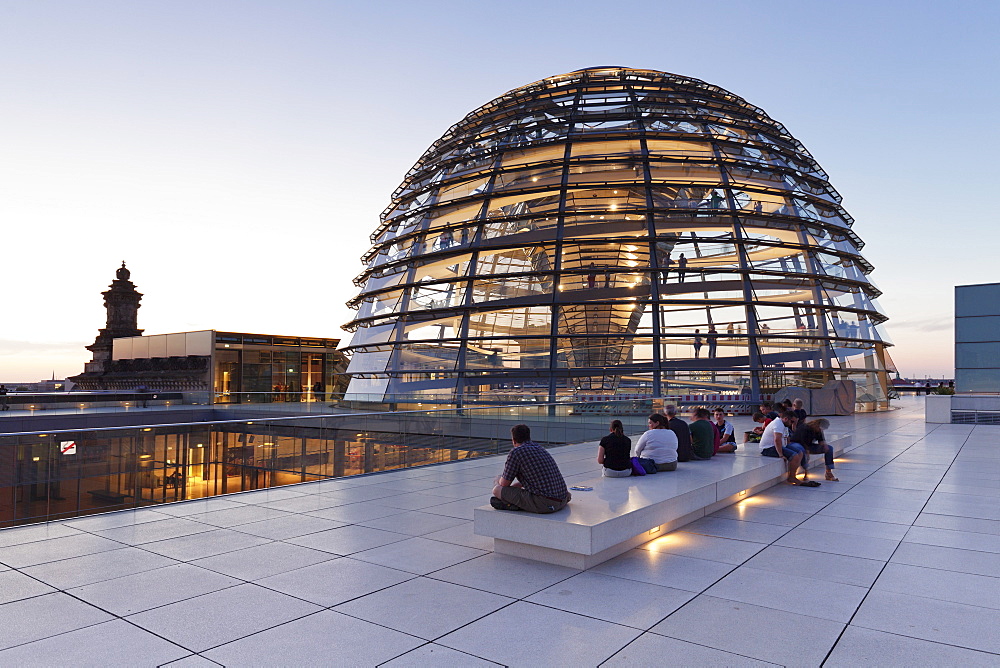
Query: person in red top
531	480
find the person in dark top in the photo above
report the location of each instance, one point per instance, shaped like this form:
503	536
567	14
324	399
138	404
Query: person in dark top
799	410
702	433
680	428
811	437
531	480
613	453
727	433
767	408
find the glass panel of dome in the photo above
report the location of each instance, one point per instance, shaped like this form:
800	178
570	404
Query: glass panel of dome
376	334
533	155
607	148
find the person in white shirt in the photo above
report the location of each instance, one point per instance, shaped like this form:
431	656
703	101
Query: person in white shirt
774	443
659	443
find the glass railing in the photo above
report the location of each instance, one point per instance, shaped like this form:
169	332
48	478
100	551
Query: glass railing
60	474
232	405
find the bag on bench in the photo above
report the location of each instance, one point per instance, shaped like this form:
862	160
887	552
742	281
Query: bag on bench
637	468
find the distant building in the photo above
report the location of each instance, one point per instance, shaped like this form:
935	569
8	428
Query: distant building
236	367
977	360
977	338
122	304
232	367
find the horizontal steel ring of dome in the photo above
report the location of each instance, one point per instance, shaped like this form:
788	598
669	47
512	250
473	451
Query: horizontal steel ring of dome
615	232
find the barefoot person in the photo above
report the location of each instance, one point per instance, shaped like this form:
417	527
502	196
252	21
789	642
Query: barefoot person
531	479
811	437
613	452
774	443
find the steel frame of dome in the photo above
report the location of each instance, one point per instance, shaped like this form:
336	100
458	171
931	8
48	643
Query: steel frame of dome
614	231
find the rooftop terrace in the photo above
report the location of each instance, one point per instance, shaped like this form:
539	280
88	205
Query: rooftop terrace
898	563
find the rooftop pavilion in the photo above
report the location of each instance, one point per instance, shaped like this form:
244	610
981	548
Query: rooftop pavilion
899	563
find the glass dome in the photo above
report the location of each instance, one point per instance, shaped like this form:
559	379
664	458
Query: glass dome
615	232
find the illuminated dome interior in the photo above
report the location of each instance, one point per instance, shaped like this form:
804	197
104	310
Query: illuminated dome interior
620	232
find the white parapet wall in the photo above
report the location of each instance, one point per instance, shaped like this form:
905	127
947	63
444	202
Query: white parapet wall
937	408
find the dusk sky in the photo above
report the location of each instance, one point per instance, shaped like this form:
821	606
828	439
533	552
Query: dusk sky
237	154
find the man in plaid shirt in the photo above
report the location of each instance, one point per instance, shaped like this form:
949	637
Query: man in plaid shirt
531	479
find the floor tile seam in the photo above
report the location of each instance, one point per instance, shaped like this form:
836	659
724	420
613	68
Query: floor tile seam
241	580
431	642
701	558
28	598
33	577
805	576
117	616
298	535
484	553
40	540
430	576
692	642
877	577
80	628
75	556
842	532
980	533
681	530
427	537
219	554
952	514
161	605
936	642
97	532
146	570
756	605
269	628
923	508
184	535
903	635
352	524
764	523
942	600
710	535
435	638
331	607
967	549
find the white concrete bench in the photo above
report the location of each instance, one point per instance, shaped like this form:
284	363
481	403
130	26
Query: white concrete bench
621	513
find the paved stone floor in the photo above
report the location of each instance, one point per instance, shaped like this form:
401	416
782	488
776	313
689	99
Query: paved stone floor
897	564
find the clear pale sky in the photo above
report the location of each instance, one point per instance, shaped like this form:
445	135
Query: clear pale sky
237	154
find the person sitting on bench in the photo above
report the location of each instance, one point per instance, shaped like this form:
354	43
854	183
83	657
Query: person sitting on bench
811	437
774	443
531	480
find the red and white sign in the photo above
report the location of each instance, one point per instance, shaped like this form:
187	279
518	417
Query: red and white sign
67	447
